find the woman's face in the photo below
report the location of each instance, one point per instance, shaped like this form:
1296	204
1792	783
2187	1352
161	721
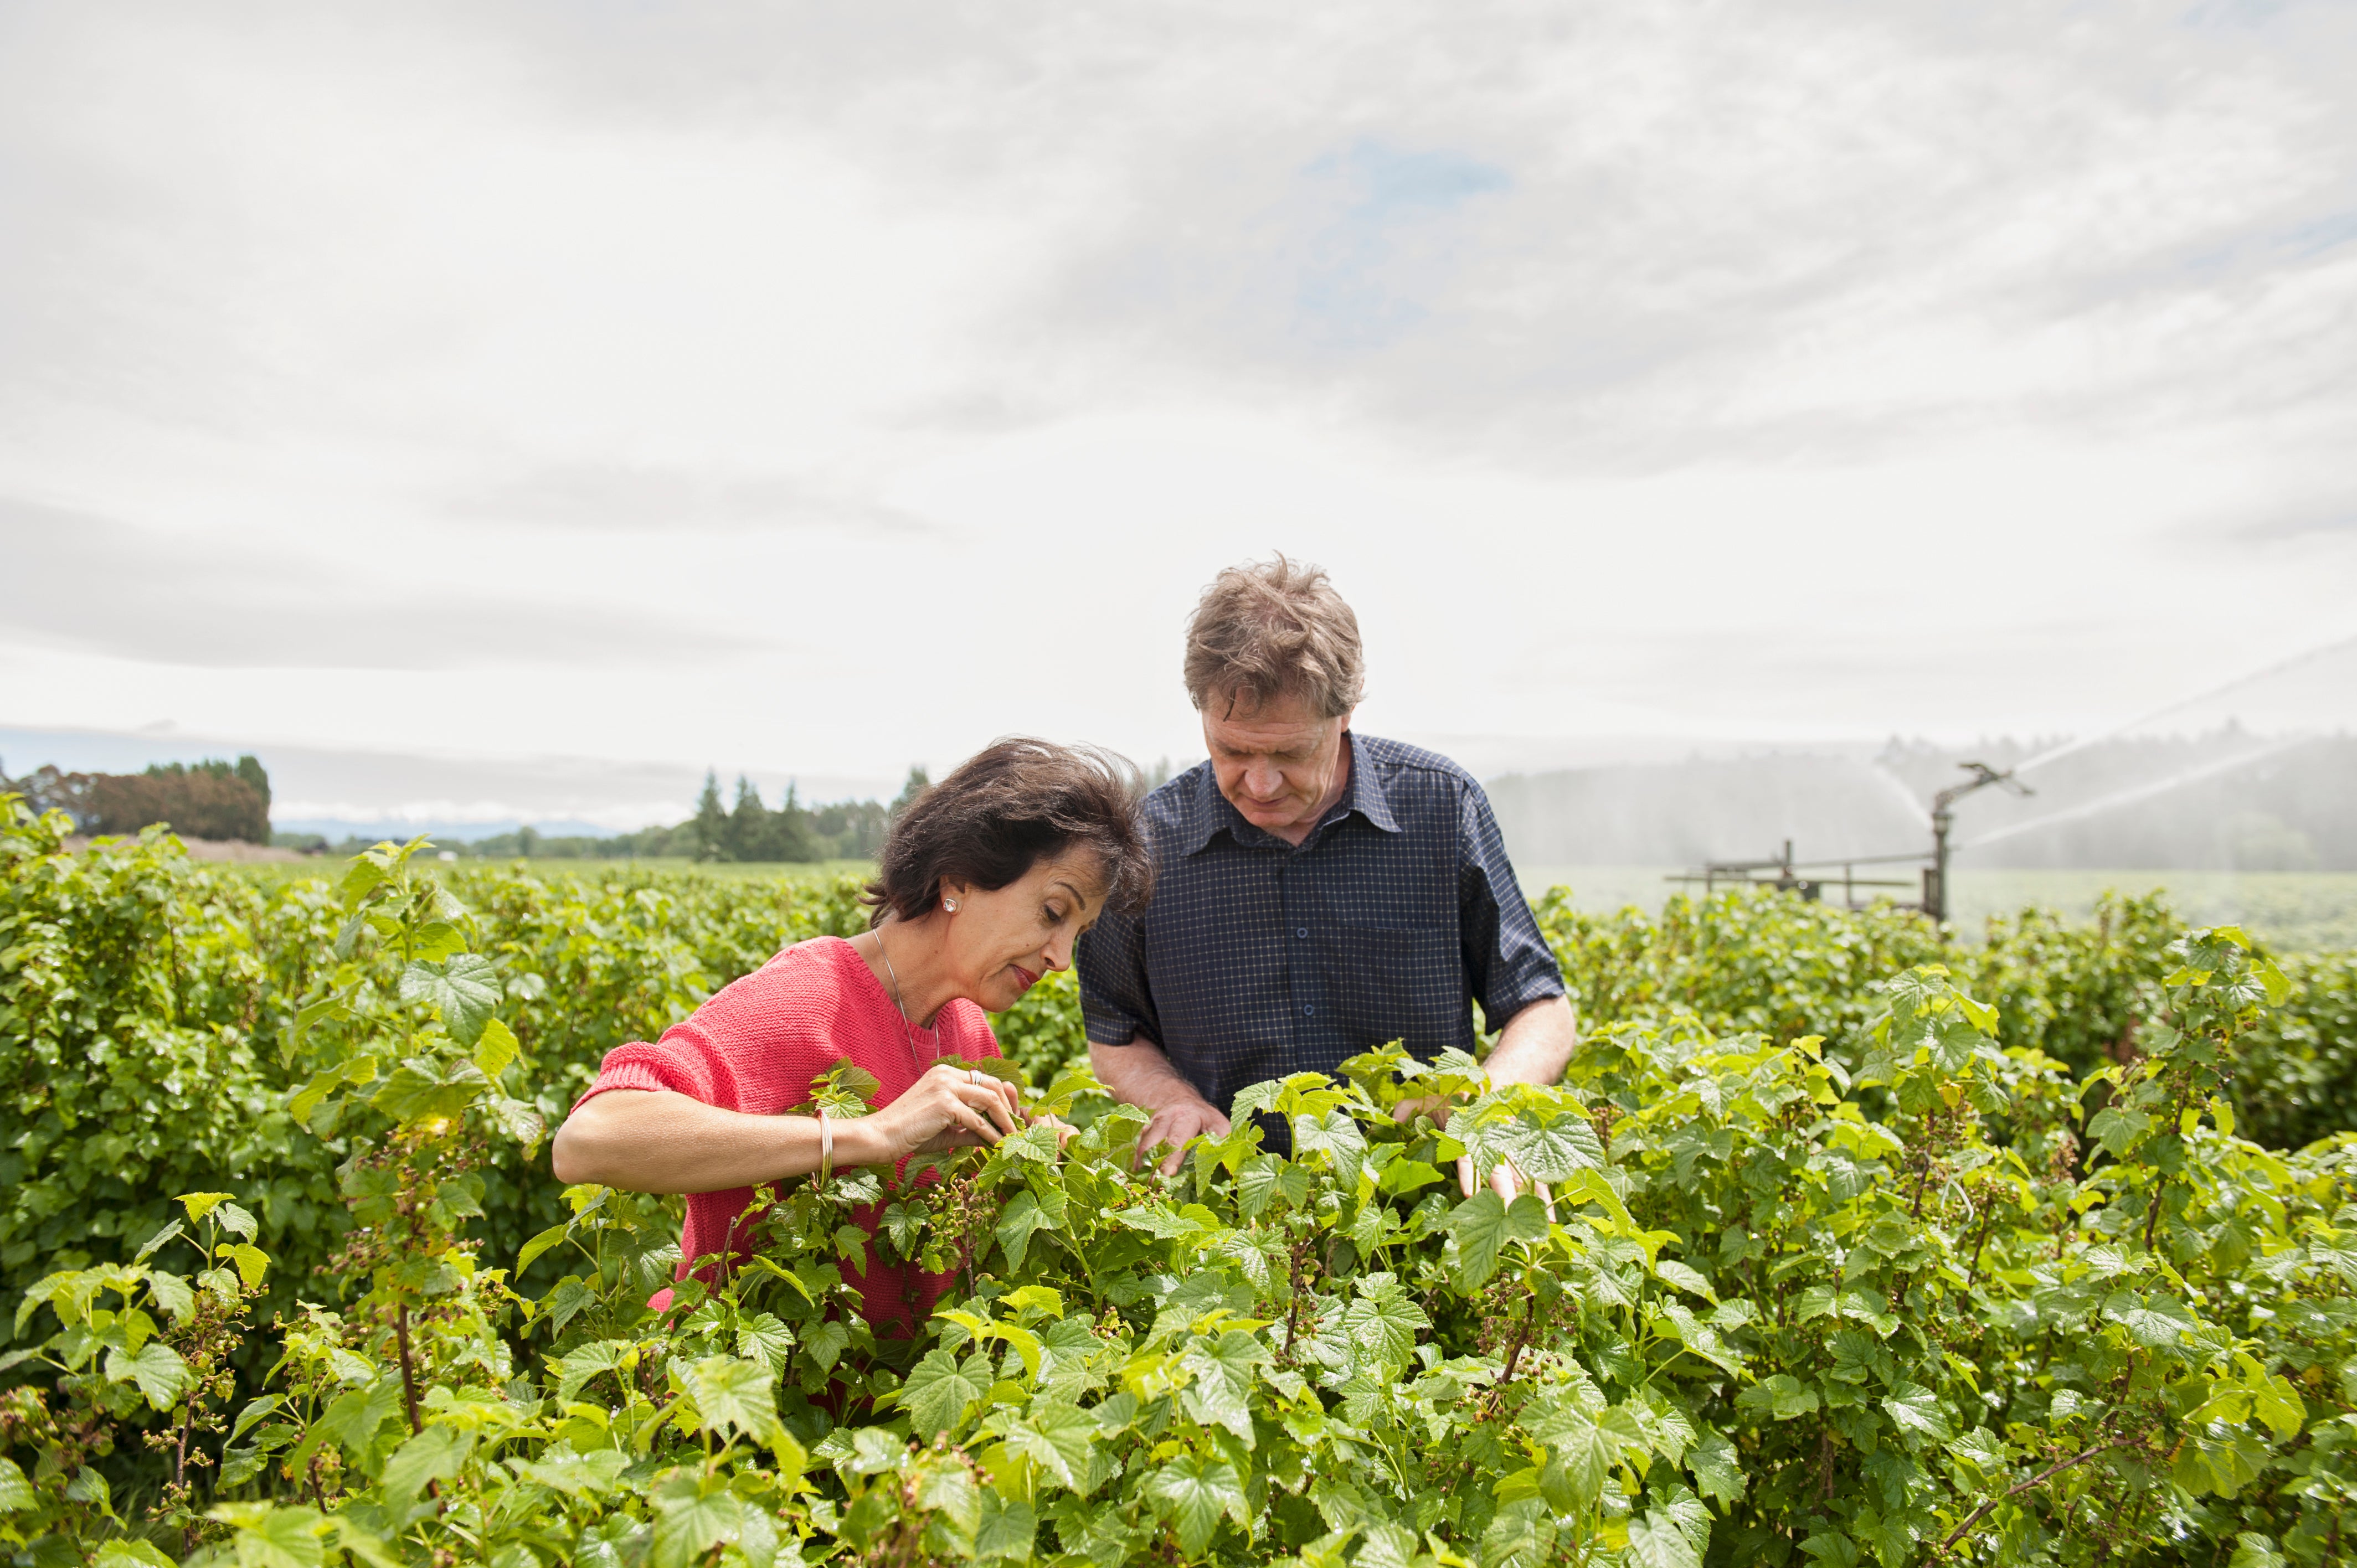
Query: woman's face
1001	942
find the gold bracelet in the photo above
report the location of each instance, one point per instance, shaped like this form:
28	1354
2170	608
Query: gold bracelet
826	1147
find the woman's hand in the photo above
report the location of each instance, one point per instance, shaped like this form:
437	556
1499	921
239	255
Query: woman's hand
955	1106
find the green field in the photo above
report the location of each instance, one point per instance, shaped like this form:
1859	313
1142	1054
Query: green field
2299	911
278	872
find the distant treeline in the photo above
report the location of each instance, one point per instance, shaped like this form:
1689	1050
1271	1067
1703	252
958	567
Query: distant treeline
751	831
209	799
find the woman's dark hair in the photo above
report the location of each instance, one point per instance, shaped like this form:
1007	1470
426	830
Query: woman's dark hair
1005	809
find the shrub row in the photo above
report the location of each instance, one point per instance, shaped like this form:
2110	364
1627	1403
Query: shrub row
1910	1295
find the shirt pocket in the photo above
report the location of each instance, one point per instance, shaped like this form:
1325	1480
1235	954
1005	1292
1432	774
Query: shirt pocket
1396	982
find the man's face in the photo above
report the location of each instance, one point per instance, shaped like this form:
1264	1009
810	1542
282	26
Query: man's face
1277	762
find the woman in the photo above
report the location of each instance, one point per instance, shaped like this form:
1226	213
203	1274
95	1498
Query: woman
983	886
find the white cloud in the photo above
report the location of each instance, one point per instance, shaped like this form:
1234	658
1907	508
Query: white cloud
832	389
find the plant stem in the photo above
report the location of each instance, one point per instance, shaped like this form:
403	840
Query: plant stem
1974	1518
408	1372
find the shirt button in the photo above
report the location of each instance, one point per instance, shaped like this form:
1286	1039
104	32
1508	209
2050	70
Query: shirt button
1301	932
1308	1008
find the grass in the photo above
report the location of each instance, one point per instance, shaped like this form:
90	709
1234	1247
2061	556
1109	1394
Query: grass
2295	911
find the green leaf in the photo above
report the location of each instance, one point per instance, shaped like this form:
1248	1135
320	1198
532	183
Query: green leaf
252	1262
1686	1279
1783	1396
360	878
1226	1372
1337	1136
148	1248
437	939
693	1513
16	1492
2276	1402
462	992
1022	1217
1579	1461
1915	1411
1553	1152
172	1293
515	1118
2157	1322
1382	1322
358	1415
1161	1222
1193	1493
1657	1539
1520	1535
1057	1436
156	1368
496	1049
583	1362
1044	1299
271	1537
2253	1551
1717	1473
309	1098
845	1089
437	1453
825	1342
2118	1130
1482	1226
766	1339
1407	1175
539	1244
1006	1529
733	1394
125	1552
1835	1549
938	1391
418	1090
593	1474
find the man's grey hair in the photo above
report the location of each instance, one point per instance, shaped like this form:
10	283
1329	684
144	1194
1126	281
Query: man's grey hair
1274	629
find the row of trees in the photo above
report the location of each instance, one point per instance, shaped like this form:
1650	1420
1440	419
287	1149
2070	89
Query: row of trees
749	831
208	799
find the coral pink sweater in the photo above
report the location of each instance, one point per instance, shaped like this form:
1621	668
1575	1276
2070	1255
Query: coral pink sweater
755	1047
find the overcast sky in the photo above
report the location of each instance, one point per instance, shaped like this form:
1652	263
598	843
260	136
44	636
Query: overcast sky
820	389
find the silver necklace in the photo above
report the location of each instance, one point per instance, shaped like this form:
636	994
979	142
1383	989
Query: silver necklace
908	1029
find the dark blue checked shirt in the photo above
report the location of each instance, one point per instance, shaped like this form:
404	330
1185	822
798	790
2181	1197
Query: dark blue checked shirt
1257	959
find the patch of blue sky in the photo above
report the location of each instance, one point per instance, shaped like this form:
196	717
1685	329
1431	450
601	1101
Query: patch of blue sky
2324	234
1378	221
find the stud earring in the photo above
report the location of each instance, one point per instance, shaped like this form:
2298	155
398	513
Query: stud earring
951	905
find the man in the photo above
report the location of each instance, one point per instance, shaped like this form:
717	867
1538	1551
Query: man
1318	892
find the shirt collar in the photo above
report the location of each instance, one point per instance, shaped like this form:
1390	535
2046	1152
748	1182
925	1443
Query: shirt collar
1210	810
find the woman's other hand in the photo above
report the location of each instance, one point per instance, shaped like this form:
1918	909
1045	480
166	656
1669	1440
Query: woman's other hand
953	1106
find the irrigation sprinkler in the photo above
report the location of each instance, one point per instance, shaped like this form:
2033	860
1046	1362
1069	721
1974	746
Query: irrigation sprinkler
1935	876
1786	875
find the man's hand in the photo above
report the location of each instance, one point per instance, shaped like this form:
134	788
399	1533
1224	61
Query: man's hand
1534	1047
1140	1074
1178	1125
1505	1181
